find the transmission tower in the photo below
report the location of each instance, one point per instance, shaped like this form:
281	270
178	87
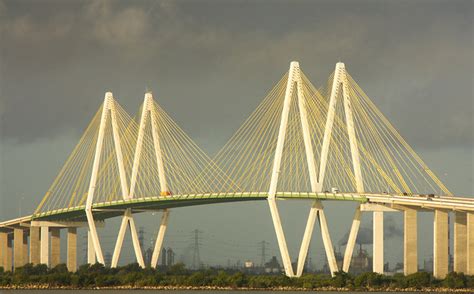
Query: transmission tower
196	256
263	255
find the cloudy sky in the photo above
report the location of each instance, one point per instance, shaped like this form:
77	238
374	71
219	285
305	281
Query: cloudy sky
209	64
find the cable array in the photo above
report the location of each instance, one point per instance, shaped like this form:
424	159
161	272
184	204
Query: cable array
388	163
70	188
184	162
244	164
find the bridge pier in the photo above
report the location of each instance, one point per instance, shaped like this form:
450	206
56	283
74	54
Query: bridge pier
470	244
72	249
55	247
5	251
34	245
460	242
378	260
19	244
25	247
44	246
410	242
441	244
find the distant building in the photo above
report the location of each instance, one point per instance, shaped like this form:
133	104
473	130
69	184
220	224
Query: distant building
272	266
248	264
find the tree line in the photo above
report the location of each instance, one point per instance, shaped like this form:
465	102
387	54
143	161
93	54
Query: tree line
91	276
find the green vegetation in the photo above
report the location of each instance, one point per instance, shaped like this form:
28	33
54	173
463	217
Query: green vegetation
89	276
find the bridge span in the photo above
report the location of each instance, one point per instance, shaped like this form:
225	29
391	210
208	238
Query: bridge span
110	209
314	142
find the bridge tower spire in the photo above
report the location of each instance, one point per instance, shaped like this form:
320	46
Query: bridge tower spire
107	107
149	110
340	82
295	82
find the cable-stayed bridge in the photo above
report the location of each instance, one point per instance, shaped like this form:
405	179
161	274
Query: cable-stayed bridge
302	142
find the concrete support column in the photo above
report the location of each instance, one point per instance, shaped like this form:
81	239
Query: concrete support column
55	247
35	245
90	249
410	242
460	242
3	250
440	246
25	247
470	244
9	263
72	249
18	250
378	260
44	248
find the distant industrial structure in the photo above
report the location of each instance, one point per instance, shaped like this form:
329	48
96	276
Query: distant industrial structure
361	262
273	266
167	257
196	255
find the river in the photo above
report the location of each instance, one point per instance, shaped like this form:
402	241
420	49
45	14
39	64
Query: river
161	292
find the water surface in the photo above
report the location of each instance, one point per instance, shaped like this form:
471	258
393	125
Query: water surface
162	291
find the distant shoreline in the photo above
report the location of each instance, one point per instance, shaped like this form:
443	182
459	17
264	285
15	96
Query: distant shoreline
177	277
212	288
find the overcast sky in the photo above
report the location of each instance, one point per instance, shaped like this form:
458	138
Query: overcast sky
209	64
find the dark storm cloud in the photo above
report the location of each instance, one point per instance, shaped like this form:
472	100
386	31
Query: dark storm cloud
211	62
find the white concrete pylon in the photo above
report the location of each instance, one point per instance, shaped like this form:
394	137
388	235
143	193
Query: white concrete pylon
285	255
91	259
313	213
294	78
149	110
316	208
294	66
95	169
276	170
127	221
351	241
119	241
107	107
159	239
340	82
136	241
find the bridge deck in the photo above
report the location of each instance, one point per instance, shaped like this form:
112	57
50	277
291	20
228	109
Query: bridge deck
110	209
105	210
